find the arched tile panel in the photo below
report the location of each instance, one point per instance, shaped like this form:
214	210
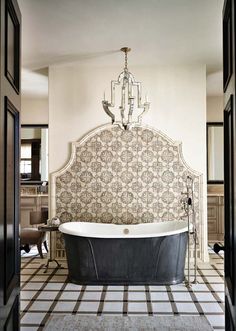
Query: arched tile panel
123	177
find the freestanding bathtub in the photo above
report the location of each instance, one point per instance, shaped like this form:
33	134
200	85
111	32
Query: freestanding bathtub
151	253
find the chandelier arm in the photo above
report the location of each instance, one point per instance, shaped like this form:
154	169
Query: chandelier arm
107	110
122	115
113	86
139	92
146	108
131	109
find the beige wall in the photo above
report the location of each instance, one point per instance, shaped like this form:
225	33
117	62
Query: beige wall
34	110
215	108
178	108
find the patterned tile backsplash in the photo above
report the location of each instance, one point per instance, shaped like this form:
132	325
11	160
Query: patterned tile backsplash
123	177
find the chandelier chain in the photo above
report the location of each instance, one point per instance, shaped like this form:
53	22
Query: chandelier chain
126	61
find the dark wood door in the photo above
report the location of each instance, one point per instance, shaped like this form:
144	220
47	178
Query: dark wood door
10	20
229	162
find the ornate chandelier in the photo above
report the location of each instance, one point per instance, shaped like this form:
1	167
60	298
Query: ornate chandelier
131	99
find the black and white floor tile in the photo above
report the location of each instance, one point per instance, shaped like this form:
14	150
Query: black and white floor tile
43	294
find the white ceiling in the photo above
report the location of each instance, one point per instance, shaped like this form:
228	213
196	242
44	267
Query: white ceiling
162	32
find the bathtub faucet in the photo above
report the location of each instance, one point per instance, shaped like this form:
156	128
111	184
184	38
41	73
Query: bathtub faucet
187	201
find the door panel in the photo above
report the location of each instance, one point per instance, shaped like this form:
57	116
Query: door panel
227	42
12	44
229	120
229	162
11	199
9	165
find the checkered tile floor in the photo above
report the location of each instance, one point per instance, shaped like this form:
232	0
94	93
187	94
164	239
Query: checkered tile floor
48	293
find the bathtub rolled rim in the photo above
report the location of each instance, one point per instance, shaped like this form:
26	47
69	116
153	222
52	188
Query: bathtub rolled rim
74	228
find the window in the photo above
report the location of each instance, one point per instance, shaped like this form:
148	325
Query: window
26	161
34	153
30	159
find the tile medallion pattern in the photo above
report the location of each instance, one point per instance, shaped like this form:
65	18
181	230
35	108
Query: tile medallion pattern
123	177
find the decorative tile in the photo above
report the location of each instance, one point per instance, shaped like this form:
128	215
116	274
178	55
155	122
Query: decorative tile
124	177
216	320
204	296
29	328
113	307
64	306
199	287
211	308
159	296
221	296
32	318
94	288
137	296
161	307
137	307
218	287
180	287
69	295
23	304
136	288
158	288
47	295
27	295
33	286
92	296
40	306
186	307
115	288
111	296
73	287
88	306
182	296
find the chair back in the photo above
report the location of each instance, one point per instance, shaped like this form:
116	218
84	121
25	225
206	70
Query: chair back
38	217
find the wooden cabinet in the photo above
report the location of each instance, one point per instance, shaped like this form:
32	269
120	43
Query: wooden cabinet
31	202
215	216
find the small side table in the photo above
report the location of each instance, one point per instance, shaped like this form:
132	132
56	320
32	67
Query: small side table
50	229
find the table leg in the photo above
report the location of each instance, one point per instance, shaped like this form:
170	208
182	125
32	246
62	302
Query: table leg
52	260
50	255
